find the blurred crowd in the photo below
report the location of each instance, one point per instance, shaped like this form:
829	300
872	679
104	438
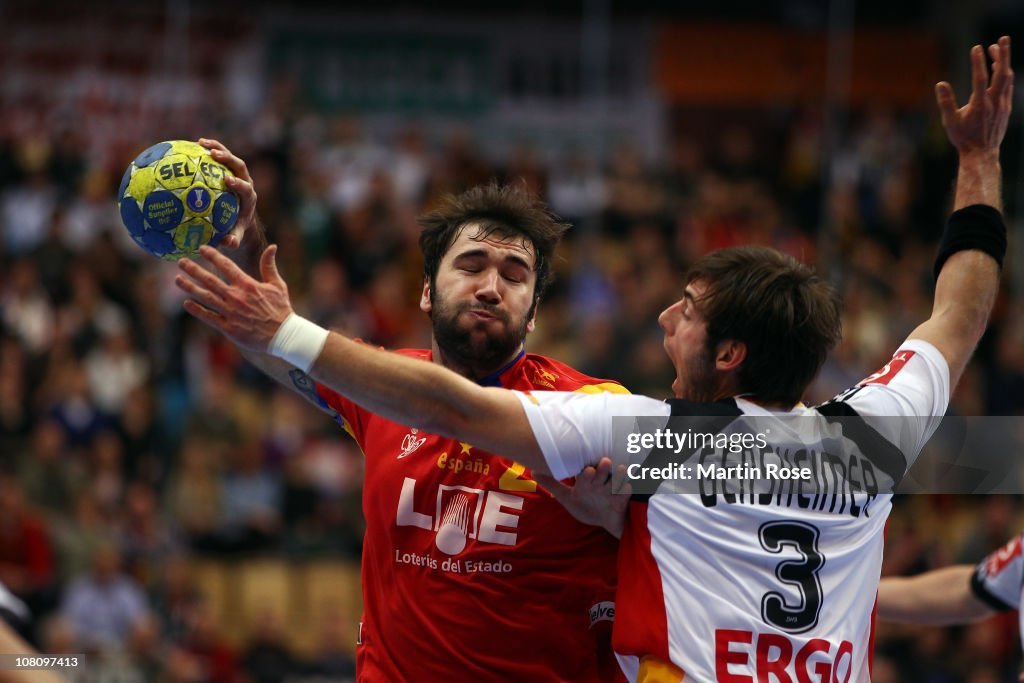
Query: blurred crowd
134	441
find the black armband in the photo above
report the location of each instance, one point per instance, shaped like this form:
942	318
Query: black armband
977	226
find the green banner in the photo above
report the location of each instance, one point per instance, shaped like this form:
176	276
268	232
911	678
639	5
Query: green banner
387	72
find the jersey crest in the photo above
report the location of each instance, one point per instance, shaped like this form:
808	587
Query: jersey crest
410	443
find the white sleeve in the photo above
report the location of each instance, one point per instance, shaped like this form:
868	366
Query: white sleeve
914	385
574	430
997	579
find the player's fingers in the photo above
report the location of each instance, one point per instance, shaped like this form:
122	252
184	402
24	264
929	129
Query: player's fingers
202	276
604	470
998	80
979	74
211	143
233	239
246	194
235	163
245	190
208	316
223	264
587	474
1002	71
946	99
198	293
268	265
620	482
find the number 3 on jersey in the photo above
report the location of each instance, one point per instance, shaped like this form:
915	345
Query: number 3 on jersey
801	573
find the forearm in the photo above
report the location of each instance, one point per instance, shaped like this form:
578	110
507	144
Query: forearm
968	263
965	293
940	597
424	395
969	280
979	180
286	375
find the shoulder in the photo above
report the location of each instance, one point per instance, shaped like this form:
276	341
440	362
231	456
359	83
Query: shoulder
554	375
914	382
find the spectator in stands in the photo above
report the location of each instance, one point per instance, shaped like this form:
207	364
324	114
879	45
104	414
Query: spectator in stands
192	498
251	500
106	606
49	476
77	537
146	539
175	596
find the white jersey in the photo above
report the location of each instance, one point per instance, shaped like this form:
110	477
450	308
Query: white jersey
998	580
738	588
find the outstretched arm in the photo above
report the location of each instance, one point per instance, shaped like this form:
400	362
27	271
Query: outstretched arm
257	316
940	597
968	281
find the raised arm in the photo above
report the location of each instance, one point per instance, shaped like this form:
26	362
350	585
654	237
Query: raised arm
257	316
970	254
245	243
940	597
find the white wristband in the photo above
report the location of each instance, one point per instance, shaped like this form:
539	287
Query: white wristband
298	341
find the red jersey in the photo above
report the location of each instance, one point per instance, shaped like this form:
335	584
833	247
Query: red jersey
470	571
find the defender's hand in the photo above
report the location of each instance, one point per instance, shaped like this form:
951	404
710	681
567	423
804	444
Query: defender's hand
598	497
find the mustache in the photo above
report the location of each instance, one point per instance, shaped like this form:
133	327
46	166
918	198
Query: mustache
489	309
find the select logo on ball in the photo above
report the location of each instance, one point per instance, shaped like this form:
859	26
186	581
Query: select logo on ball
176	171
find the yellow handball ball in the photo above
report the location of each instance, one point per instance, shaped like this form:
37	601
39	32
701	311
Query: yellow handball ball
173	200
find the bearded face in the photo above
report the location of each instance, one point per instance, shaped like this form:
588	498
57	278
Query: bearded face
481	301
477	335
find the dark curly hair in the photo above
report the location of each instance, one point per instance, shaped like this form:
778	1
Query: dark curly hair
504	210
